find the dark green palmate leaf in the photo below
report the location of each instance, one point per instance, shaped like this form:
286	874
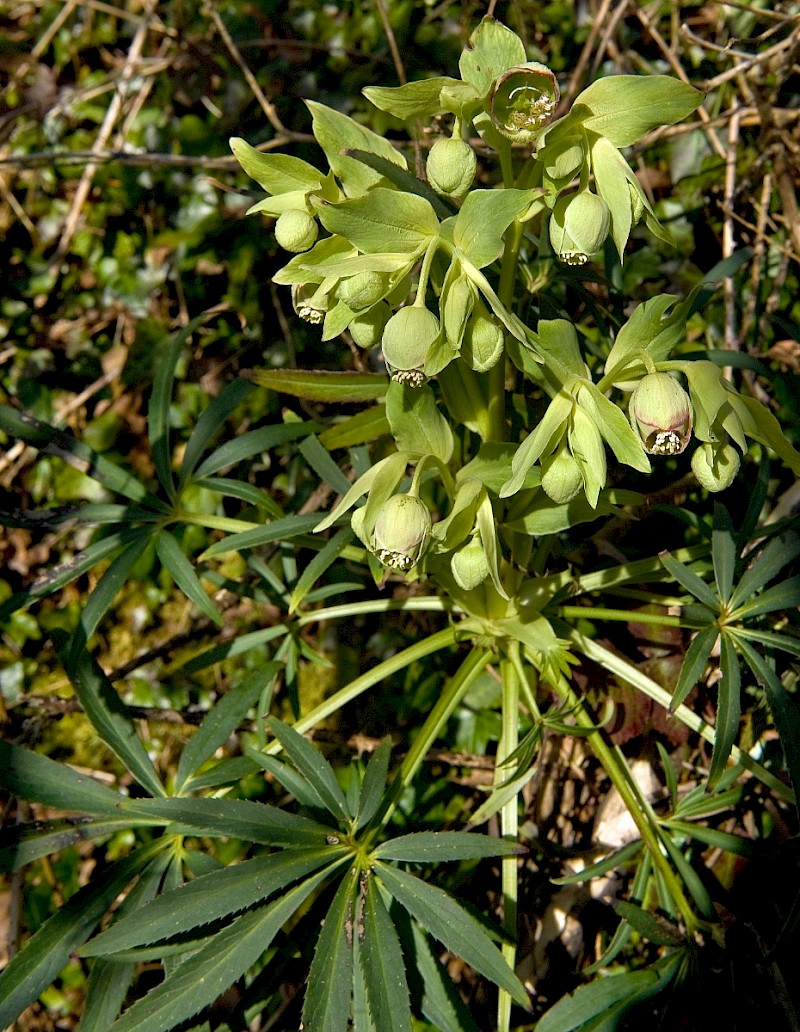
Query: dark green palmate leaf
229	818
291	779
763	567
104	593
210	898
197	981
313	766
723	551
437	846
694	663
783	705
27	775
729	709
109	981
183	573
160	399
280	530
689	580
322	561
254	442
458	931
53	441
326	1007
107	712
609	997
381	961
209	425
21	844
220	721
65	573
785	595
374	784
49	949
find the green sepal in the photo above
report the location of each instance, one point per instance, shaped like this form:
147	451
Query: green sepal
492	50
419	428
336	133
625	107
421	99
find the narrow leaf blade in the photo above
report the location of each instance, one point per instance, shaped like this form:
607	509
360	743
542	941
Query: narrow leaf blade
108	714
183	573
457	930
313	766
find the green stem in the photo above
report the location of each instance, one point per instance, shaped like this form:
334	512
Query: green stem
444	708
638	679
625	615
434	643
509	822
640	810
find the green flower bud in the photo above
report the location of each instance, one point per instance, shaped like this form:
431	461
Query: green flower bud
522	101
309	302
661	413
362	291
578	227
484	339
469	565
715	466
367	327
409	335
637	204
451	167
402	532
562	479
296	231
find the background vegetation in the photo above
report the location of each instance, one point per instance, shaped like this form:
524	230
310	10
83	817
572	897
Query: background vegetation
122	214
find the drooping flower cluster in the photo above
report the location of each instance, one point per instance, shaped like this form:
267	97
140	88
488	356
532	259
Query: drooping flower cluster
425	271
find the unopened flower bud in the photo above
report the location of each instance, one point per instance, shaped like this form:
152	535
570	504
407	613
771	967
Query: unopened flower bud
362	291
562	479
522	101
482	346
661	413
451	167
637	204
715	466
367	327
469	565
409	336
296	231
578	227
402	532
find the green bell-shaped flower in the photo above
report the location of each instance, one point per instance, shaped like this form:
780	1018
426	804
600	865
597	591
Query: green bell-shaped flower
522	101
579	226
402	532
715	466
363	290
469	564
310	302
661	413
484	337
296	231
451	167
562	479
367	327
409	336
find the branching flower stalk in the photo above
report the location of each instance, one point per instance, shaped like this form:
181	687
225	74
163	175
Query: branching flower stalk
495	422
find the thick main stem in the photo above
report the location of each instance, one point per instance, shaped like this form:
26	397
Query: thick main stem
509	824
636	805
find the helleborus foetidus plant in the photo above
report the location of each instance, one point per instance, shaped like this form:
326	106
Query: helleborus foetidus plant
496	425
